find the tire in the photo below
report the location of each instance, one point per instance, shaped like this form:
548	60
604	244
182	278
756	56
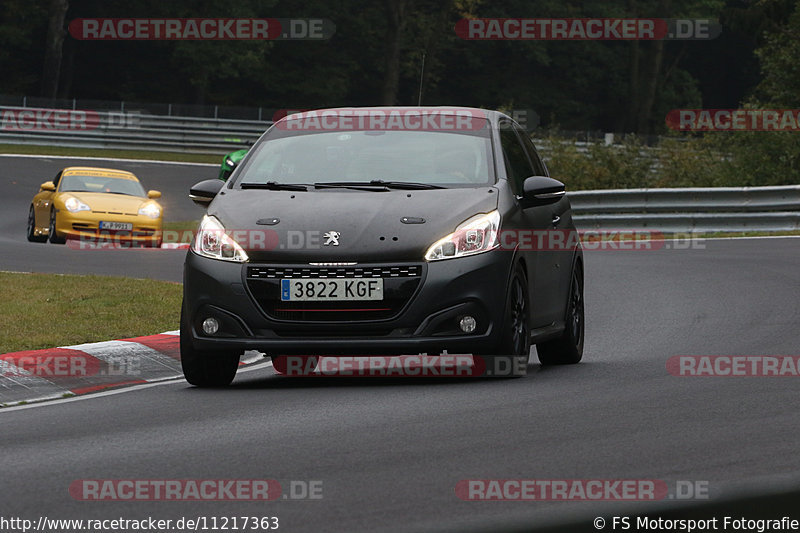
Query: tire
510	356
568	348
32	237
204	368
54	239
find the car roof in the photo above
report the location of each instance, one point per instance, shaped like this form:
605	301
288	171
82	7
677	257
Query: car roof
491	115
100	171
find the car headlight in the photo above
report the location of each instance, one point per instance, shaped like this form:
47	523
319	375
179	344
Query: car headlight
212	241
73	205
474	236
150	210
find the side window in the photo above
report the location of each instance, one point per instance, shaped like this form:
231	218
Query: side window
538	165
518	168
57	179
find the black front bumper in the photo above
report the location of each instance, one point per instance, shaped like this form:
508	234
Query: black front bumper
424	312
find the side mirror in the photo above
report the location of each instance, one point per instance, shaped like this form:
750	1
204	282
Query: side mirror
153	194
48	186
541	190
203	192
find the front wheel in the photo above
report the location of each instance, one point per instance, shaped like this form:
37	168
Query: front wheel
568	348
32	237
205	368
54	239
510	356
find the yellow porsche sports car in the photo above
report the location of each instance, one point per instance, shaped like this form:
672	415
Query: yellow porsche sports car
95	205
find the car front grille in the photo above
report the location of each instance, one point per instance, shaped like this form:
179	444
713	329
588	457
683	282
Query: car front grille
399	285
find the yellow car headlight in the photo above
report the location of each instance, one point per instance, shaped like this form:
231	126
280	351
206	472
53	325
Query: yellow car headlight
150	210
73	205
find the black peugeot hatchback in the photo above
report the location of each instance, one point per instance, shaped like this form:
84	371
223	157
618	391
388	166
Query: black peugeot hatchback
381	230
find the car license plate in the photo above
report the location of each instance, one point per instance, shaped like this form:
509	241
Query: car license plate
344	290
116	226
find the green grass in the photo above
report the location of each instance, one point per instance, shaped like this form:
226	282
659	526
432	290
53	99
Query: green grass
180	232
97	152
48	310
181	225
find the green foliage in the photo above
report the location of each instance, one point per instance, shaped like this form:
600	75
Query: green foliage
780	85
714	160
596	166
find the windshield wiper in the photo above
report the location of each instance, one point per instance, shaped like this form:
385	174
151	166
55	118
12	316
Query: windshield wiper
380	183
405	184
359	185
275	186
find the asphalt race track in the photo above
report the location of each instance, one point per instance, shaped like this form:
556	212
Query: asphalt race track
20	178
389	452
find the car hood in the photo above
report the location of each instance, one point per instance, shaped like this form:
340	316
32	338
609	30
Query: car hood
370	222
102	201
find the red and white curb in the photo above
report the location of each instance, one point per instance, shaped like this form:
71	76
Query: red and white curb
37	375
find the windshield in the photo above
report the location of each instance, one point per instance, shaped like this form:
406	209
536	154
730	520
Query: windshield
80	183
437	158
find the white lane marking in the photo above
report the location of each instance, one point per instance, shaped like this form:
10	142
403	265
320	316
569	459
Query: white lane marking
748	238
58	400
119	159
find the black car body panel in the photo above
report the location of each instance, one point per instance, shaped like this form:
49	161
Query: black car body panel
362	218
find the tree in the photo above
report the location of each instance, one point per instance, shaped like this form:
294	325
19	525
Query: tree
780	84
54	42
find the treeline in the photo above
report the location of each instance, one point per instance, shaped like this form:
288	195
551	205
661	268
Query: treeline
377	51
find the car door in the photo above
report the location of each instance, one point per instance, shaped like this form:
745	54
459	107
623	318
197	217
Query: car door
42	202
529	223
559	264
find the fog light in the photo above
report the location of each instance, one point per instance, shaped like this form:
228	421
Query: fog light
467	324
210	326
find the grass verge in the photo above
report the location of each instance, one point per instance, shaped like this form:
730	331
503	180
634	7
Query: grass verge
48	310
181	231
98	152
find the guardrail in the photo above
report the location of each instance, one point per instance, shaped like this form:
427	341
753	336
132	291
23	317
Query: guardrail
689	210
685	210
126	131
